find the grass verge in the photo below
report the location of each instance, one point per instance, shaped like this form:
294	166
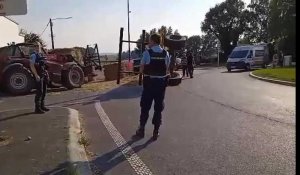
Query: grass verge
285	74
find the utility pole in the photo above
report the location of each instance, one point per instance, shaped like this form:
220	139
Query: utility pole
218	46
51	28
218	58
128	29
52	39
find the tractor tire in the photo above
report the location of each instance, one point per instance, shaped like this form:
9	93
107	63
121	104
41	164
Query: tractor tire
176	80
18	81
73	77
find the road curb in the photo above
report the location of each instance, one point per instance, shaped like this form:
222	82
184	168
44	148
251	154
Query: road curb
287	83
77	154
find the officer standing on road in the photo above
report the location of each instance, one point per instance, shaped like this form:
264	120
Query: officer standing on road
155	67
190	64
184	65
38	68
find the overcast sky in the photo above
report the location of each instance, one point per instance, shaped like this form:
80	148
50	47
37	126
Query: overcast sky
99	21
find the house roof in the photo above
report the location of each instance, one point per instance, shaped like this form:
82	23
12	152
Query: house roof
11	20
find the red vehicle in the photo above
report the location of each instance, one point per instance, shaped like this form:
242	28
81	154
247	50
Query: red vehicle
17	79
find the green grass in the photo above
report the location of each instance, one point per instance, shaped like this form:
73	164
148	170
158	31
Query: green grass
286	74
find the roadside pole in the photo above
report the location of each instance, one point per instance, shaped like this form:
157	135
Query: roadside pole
218	58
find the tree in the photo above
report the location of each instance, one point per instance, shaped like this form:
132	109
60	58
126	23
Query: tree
33	38
245	40
170	31
259	18
227	21
138	49
208	46
282	26
193	44
163	31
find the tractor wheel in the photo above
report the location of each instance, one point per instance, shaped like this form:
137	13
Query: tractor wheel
18	81
175	79
73	77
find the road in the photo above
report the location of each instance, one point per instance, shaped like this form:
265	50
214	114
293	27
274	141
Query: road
217	123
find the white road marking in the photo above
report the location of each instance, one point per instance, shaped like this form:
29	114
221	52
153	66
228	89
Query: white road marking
136	163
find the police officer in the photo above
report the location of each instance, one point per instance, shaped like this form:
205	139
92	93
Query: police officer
184	65
38	68
190	64
155	67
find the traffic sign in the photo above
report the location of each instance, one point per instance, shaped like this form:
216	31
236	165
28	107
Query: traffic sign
13	7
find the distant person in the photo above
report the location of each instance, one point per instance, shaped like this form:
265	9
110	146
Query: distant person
280	58
275	60
155	67
190	64
184	66
38	69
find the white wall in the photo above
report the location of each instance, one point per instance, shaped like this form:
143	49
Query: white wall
9	32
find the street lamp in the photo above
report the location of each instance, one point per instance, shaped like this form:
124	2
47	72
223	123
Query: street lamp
51	28
128	11
218	48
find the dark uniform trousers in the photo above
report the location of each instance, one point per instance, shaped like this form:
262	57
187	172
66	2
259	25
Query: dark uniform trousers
153	90
185	70
41	90
190	70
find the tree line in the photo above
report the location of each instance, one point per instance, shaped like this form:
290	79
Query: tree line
232	22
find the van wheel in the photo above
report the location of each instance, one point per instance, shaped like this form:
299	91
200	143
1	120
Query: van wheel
228	69
248	67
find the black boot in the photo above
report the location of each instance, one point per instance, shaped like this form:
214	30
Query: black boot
38	110
140	132
155	133
43	107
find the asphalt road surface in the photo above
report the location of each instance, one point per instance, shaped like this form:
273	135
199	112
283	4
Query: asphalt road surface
216	123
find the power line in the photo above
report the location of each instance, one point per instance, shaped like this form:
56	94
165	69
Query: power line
45	29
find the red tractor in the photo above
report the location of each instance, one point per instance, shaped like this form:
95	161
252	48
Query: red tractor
17	79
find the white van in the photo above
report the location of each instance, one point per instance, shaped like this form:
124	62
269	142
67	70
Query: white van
248	56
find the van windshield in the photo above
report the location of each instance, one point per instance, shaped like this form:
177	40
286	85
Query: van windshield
239	54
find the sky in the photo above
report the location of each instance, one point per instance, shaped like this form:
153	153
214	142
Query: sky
99	21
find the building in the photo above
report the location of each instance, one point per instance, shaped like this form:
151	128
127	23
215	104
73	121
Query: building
9	31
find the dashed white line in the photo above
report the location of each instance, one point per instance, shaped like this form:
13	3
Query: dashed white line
136	163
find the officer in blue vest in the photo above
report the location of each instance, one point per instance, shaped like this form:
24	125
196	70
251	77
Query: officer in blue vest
155	67
38	69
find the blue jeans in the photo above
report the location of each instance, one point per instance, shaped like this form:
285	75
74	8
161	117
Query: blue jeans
153	90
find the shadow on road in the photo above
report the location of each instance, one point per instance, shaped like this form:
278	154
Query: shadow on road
72	100
4	94
236	71
111	159
15	116
104	162
123	92
127	91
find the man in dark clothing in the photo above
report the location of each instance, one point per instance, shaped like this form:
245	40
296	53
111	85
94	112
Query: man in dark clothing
184	66
38	68
155	67
190	64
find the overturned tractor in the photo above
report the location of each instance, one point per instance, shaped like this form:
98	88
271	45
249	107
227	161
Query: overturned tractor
174	43
17	79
